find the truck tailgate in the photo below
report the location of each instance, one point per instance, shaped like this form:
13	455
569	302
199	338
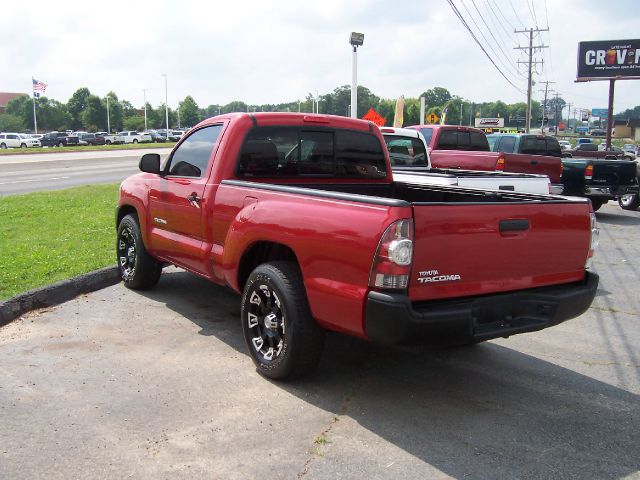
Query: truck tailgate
613	172
475	249
540	164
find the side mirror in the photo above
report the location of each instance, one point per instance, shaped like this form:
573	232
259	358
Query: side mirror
150	163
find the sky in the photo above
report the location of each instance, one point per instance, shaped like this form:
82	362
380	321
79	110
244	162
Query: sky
281	50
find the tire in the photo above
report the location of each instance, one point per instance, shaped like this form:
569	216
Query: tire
3	146
135	140
596	203
23	145
291	344
138	269
629	202
108	142
60	144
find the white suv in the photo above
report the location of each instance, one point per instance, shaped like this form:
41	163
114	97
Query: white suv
17	140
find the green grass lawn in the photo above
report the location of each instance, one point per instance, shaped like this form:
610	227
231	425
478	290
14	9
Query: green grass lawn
85	148
50	236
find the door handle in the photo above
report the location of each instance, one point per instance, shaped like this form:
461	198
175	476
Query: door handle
194	200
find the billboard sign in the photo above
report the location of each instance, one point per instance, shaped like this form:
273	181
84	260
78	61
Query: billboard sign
489	122
600	112
608	59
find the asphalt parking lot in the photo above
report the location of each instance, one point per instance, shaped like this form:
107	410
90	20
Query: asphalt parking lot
118	384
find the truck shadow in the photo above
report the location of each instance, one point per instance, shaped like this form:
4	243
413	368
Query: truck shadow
485	411
621	218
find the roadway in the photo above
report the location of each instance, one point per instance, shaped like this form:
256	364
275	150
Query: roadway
24	173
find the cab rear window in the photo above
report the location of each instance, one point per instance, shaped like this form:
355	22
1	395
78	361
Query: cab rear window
303	152
463	140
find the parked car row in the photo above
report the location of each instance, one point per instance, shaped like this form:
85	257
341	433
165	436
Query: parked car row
17	140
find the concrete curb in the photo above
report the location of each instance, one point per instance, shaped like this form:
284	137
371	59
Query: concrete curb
57	293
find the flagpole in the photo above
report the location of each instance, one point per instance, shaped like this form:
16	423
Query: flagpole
35	121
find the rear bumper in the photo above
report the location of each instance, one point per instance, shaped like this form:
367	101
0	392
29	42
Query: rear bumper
393	318
610	192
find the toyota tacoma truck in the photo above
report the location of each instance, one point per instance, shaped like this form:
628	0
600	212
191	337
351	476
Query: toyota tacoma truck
467	148
409	156
301	215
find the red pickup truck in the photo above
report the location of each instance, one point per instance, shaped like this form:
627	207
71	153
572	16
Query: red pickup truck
451	146
301	215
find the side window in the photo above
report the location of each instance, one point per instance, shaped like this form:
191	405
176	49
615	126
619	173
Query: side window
191	158
507	144
12	137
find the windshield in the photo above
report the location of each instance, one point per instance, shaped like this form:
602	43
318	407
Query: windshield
427	133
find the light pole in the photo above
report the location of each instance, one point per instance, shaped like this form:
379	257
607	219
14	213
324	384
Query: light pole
144	93
108	120
166	104
355	40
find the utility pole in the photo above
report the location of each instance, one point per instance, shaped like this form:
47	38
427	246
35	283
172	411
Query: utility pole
568	114
556	114
530	63
544	103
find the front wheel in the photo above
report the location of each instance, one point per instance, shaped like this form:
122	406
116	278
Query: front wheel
108	142
23	145
135	140
629	202
282	337
60	144
138	269
3	146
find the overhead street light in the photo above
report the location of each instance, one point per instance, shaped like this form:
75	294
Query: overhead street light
355	40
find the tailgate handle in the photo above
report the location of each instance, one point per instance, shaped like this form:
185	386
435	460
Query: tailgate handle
513	225
534	162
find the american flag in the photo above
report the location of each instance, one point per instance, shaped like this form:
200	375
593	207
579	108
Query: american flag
38	85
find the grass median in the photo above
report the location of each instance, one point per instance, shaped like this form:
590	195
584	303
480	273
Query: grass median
50	236
85	148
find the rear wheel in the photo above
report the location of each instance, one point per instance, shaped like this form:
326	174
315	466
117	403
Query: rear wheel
629	202
23	145
3	146
60	144
135	140
108	142
283	339
596	203
138	269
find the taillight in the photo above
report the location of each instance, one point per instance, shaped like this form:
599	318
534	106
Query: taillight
392	263
595	240
500	163
588	172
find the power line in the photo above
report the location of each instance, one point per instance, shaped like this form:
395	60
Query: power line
493	36
516	13
464	23
531	62
504	29
531	5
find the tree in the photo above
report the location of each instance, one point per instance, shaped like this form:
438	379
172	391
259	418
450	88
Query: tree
76	105
21	107
189	111
628	114
235	106
134	122
94	113
11	123
436	97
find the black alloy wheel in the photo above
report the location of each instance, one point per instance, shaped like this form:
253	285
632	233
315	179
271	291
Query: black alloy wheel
283	339
138	269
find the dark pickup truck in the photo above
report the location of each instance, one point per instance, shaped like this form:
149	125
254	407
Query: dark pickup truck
601	181
590	150
54	139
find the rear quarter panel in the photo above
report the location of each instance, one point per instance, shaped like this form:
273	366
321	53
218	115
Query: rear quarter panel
334	242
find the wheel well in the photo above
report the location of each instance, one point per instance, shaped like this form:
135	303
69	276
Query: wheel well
259	253
123	211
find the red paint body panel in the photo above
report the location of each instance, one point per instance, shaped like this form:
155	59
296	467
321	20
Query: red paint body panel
466	240
335	240
487	160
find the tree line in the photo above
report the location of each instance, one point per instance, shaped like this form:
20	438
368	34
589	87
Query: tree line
86	111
